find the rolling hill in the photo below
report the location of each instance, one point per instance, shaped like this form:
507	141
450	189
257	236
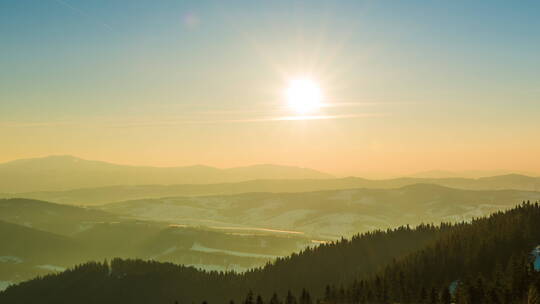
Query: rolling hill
109	194
27	252
23	243
38	237
51	217
421	266
326	214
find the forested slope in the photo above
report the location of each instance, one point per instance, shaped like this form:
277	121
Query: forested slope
486	261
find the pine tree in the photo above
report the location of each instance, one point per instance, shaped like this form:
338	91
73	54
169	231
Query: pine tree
305	298
433	297
249	298
342	294
423	295
533	296
290	299
446	297
274	299
463	293
328	294
479	293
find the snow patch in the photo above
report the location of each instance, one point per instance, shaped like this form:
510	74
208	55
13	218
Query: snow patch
4	285
212	267
201	248
10	259
256	229
167	251
51	267
85	226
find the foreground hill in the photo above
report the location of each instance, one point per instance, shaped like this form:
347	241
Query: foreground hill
327	214
27	252
68	172
21	242
492	260
401	265
136	281
37	237
109	194
55	218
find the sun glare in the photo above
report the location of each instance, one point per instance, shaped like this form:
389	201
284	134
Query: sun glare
304	96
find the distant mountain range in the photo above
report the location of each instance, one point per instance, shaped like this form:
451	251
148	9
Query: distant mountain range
71	180
68	172
109	194
467	174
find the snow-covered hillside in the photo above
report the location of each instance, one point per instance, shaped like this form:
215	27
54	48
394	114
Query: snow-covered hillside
327	214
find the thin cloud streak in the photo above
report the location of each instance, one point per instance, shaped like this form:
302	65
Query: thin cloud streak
35	124
256	120
366	103
326	117
186	122
82	13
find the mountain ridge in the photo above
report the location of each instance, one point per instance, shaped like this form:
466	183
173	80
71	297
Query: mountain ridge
64	172
116	193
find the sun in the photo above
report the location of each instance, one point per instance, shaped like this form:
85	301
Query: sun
304	96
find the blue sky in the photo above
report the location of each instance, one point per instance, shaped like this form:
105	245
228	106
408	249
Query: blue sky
474	64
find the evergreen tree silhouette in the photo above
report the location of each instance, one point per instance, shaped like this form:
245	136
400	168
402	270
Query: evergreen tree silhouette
290	299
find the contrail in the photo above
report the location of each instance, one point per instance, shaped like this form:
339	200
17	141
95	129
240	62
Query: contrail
82	13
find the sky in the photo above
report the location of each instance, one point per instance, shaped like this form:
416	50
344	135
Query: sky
408	86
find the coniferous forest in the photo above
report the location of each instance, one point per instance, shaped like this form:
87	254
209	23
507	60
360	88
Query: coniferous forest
489	260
